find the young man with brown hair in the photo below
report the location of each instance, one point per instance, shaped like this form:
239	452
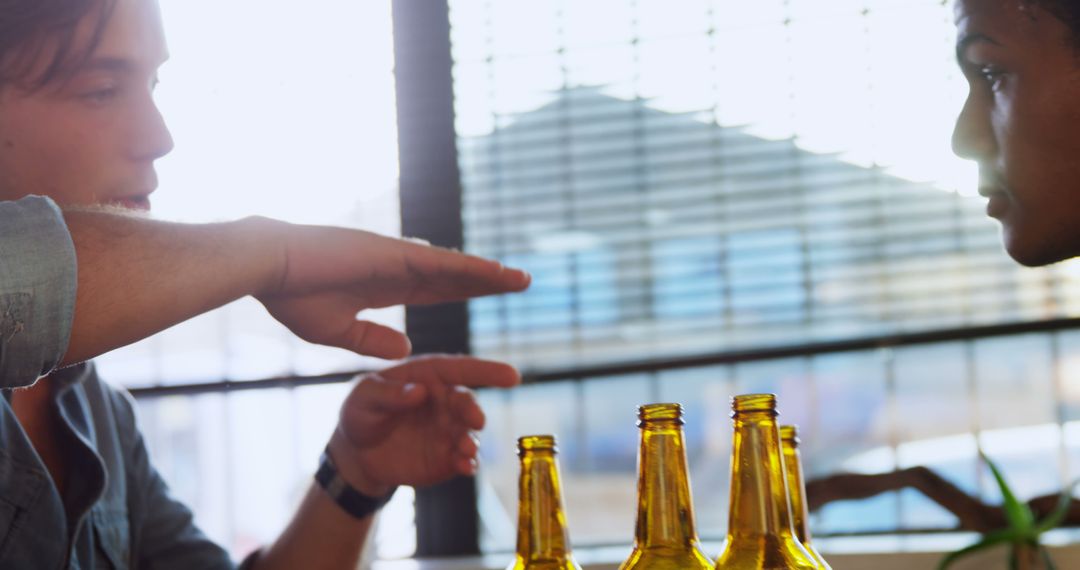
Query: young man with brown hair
78	124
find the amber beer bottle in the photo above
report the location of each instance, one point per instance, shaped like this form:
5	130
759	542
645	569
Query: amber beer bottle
789	444
665	536
542	542
760	534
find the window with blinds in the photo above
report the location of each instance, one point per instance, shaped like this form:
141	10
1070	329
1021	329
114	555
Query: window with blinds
710	176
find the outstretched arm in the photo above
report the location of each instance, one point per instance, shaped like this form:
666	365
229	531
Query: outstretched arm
138	276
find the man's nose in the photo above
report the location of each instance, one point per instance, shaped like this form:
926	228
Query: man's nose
153	139
973	136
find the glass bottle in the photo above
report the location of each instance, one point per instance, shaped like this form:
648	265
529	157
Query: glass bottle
542	541
665	536
789	444
760	534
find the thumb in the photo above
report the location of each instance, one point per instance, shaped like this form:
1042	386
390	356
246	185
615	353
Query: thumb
372	339
369	413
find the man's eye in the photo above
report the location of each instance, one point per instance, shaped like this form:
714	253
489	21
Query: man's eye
992	76
99	95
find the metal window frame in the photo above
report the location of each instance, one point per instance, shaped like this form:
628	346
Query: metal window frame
965	334
447	520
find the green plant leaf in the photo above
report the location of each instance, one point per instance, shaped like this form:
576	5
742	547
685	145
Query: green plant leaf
989	539
1057	516
1020	517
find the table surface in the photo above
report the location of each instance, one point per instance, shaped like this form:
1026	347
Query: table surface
854	553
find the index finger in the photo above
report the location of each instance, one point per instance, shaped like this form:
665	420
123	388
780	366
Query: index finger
448	275
465	371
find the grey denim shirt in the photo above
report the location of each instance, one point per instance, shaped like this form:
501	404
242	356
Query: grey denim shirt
120	513
37	289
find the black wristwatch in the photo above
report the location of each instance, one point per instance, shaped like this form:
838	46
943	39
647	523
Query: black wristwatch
346	496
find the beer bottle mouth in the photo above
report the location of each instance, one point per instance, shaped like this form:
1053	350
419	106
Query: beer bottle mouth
790	433
537	443
753	403
660	413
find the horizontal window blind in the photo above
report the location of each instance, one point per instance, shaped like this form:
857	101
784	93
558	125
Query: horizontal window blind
688	178
716	175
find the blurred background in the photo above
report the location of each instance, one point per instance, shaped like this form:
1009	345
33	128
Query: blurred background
714	197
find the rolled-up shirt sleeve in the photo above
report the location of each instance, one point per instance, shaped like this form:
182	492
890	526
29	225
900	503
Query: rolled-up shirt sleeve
38	279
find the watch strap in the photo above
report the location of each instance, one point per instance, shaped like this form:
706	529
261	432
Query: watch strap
346	496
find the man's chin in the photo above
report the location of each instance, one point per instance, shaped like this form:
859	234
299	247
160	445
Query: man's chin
1031	252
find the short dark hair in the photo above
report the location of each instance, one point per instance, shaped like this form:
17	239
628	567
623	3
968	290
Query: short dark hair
28	28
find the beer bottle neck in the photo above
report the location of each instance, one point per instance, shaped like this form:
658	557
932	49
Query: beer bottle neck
665	516
541	521
797	490
759	500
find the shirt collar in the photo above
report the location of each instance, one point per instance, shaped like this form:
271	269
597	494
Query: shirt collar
65	378
62	379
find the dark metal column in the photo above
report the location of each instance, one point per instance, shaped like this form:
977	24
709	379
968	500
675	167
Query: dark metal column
447	522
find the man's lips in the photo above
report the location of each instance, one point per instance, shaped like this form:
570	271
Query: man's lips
998	205
992	186
139	202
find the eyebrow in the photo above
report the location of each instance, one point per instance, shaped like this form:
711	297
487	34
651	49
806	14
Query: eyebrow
114	64
107	64
963	43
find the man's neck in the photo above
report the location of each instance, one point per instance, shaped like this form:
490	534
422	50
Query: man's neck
38	417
